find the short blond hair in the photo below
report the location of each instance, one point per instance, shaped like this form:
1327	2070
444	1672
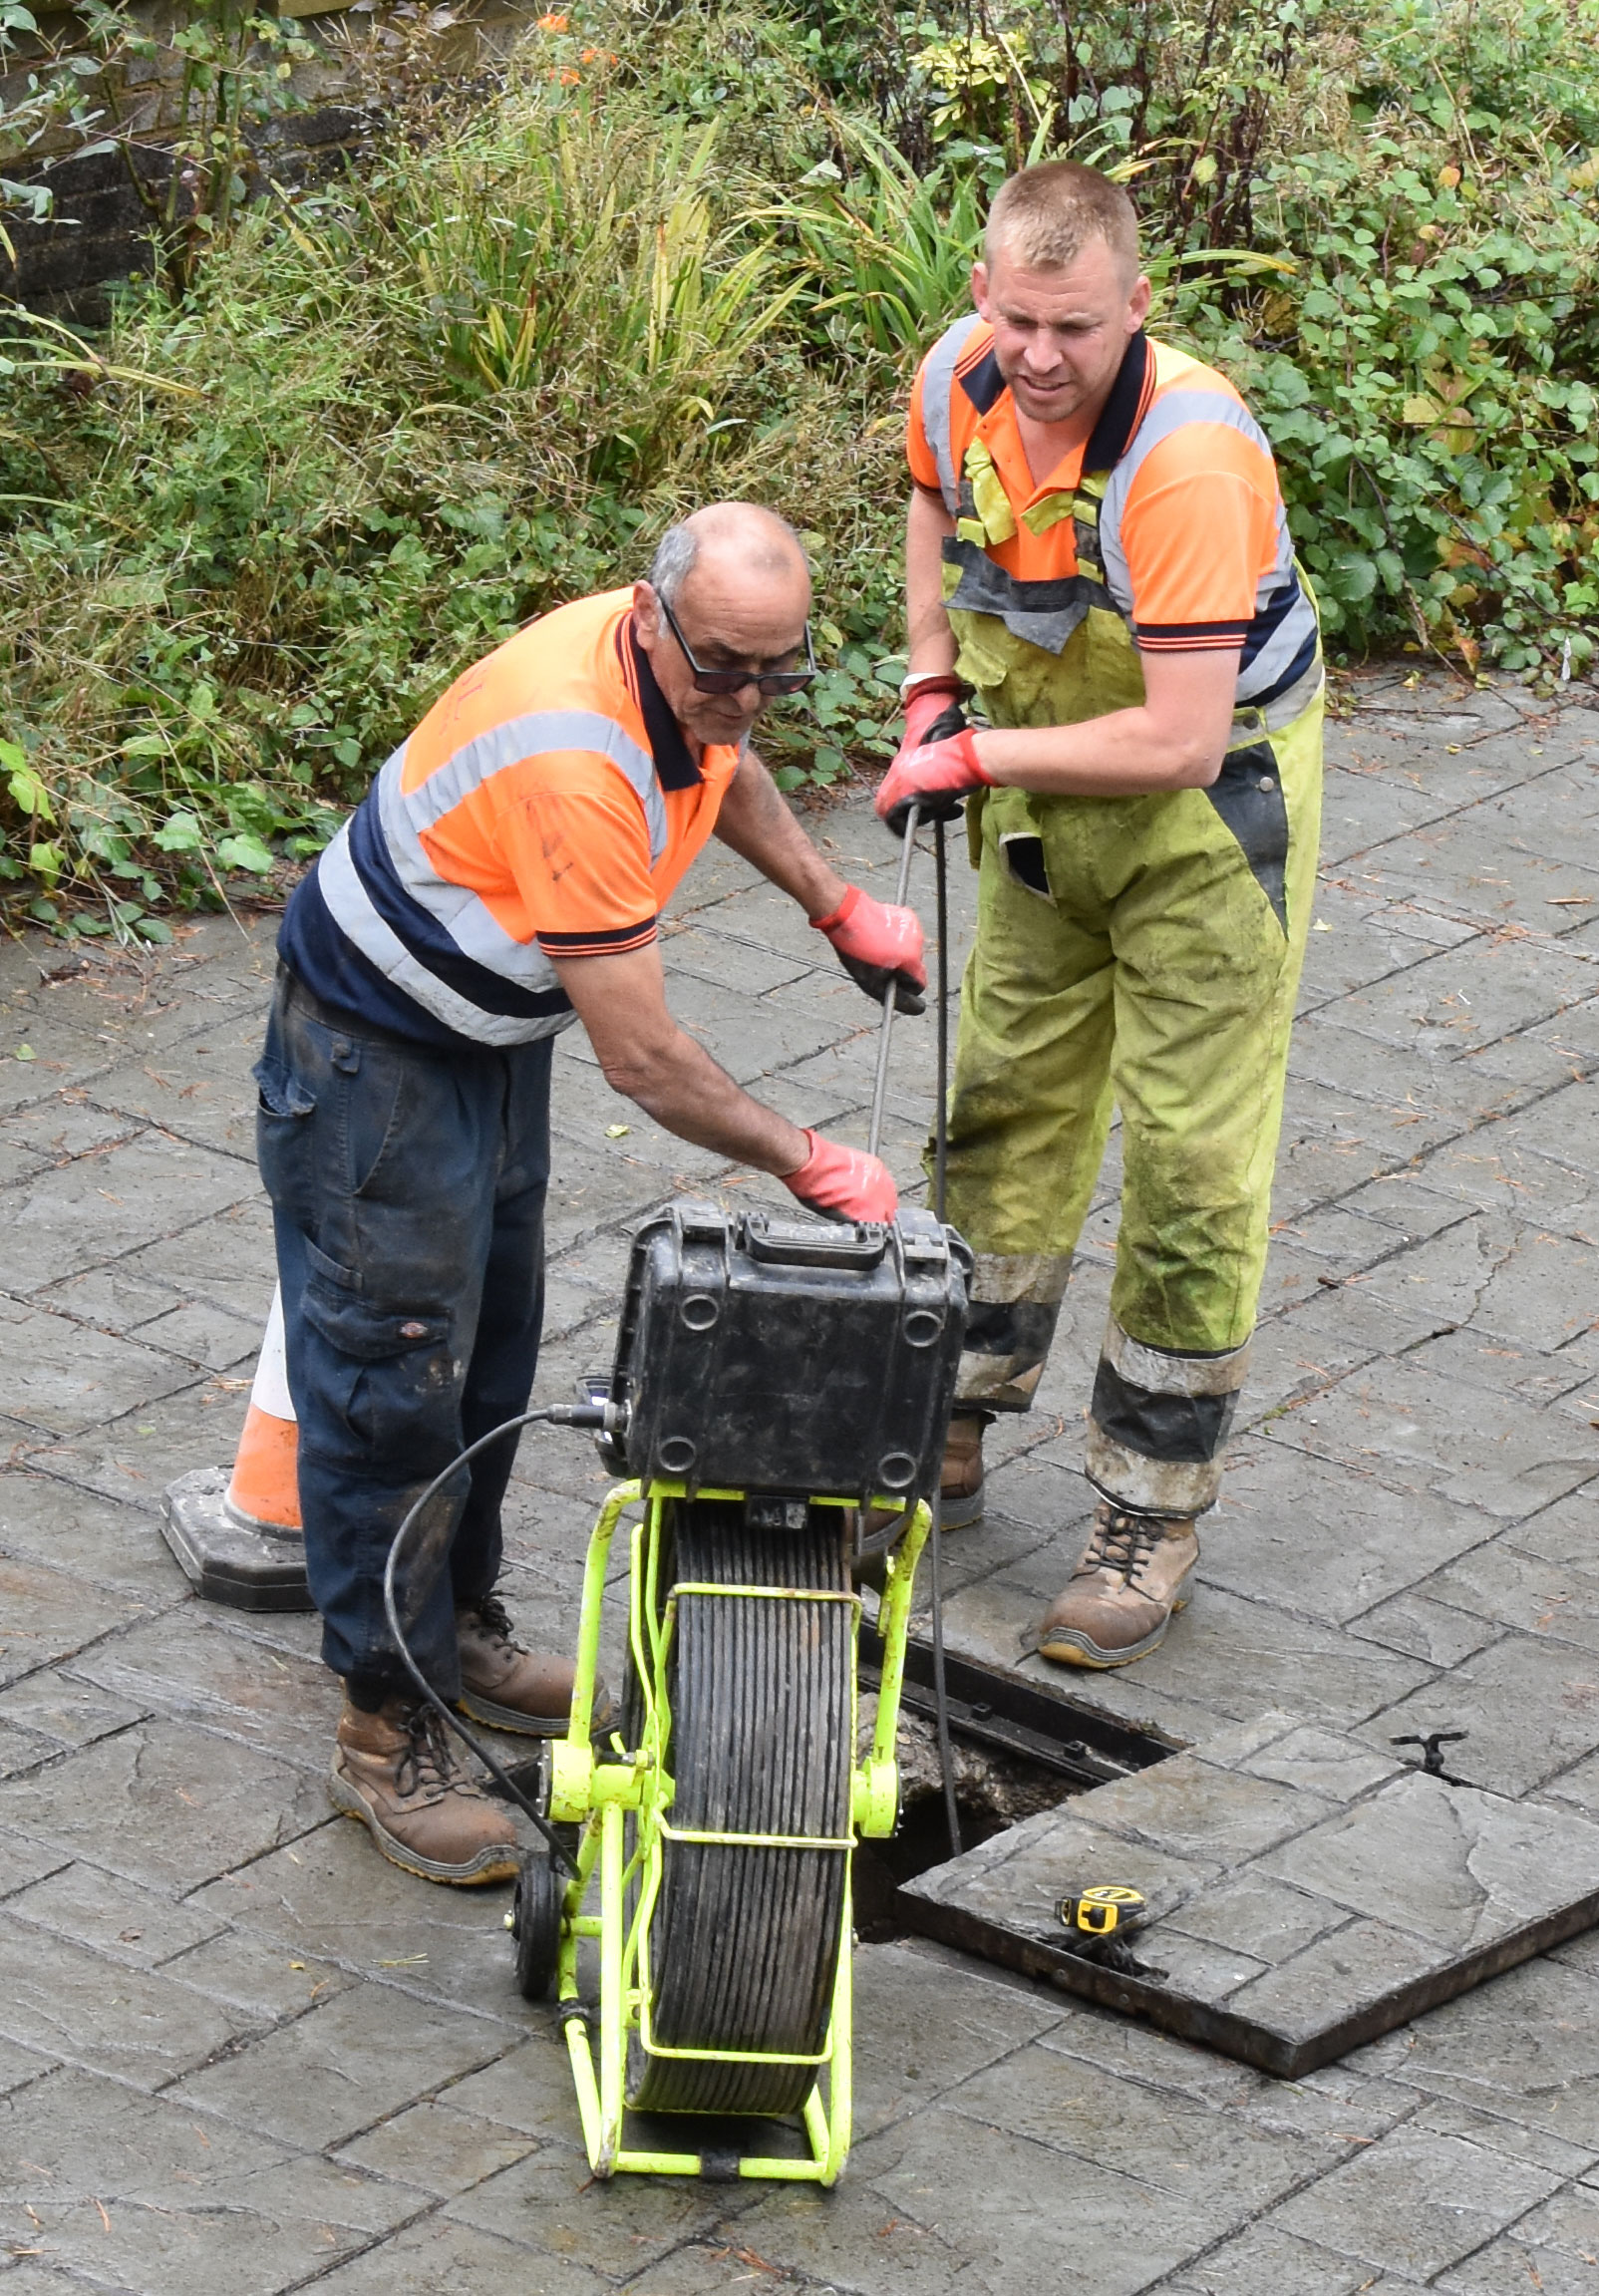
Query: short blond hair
1043	217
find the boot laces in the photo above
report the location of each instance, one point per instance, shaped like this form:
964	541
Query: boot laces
1122	1542
495	1619
428	1765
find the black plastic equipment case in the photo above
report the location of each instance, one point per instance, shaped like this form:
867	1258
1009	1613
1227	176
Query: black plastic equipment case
760	1352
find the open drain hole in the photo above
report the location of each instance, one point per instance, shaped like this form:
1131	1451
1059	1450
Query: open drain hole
1017	1749
993	1791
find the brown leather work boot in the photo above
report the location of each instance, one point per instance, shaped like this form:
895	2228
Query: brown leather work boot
510	1687
960	1487
961	1484
1123	1593
397	1773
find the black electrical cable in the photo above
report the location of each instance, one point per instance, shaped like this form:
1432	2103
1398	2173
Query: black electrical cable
597	1414
946	1760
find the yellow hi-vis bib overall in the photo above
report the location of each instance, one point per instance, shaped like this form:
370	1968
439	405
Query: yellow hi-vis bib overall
1139	952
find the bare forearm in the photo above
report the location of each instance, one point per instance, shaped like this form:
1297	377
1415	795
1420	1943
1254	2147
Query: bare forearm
1174	740
621	1002
929	640
758	824
681	1087
1121	754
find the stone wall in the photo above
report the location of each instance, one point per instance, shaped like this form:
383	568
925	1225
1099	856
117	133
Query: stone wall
100	229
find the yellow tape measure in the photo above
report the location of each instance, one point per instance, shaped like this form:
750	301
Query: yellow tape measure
1100	1912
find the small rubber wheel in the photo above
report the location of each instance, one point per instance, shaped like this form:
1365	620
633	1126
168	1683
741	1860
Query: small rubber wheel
535	1924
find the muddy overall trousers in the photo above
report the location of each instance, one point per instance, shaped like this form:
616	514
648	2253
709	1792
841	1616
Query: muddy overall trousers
1139	954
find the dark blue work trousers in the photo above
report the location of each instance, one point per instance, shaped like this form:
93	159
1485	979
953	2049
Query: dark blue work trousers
407	1193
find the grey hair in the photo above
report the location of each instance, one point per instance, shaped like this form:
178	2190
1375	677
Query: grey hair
673	563
765	541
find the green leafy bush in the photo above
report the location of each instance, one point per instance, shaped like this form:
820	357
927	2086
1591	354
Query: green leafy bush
1424	374
250	535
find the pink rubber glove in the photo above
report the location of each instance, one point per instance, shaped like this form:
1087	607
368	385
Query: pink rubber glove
874	945
932	701
935	776
843	1182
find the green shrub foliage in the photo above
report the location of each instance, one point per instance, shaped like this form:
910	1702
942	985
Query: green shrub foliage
252	527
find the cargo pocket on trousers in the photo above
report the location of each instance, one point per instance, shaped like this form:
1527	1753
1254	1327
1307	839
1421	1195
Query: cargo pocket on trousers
1248	796
395	1377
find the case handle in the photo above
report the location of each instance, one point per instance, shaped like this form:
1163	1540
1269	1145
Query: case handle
813	1244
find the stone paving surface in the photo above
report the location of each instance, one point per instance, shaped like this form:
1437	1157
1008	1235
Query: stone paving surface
240	2053
1303	1895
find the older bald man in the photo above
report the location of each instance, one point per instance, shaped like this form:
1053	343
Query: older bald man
503	878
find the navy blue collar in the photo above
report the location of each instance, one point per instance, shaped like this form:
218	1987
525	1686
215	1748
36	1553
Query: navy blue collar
675	768
1122	411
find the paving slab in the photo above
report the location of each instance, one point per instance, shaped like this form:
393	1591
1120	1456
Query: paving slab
1554	2249
173	2202
1267	2262
437	2256
166	1806
65	2001
323	2078
945	2203
99	1207
324	1895
1422	2200
1407	1543
439	2151
1304	1893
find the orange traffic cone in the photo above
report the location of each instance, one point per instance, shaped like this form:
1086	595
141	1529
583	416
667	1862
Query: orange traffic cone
239	1537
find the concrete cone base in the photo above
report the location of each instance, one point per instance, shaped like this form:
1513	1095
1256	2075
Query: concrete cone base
225	1558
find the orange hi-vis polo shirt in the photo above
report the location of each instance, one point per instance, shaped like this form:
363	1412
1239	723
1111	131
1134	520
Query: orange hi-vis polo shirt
545	807
1192	527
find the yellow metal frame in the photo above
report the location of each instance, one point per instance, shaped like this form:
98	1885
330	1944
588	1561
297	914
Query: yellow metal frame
596	1793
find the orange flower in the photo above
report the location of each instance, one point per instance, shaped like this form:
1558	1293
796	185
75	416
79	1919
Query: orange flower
597	56
552	23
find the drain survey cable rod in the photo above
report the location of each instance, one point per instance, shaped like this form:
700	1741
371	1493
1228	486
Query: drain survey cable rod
879	1097
609	1417
946	1764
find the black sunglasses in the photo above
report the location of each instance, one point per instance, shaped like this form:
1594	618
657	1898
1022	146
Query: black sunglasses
735	681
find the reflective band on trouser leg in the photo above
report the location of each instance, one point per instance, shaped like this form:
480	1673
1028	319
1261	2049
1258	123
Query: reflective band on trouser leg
1157	1425
1207	979
1015	1302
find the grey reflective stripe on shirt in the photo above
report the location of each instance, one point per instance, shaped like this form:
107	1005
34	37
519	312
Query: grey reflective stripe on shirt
1168	415
487	754
938	381
1044	614
461	913
351	910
